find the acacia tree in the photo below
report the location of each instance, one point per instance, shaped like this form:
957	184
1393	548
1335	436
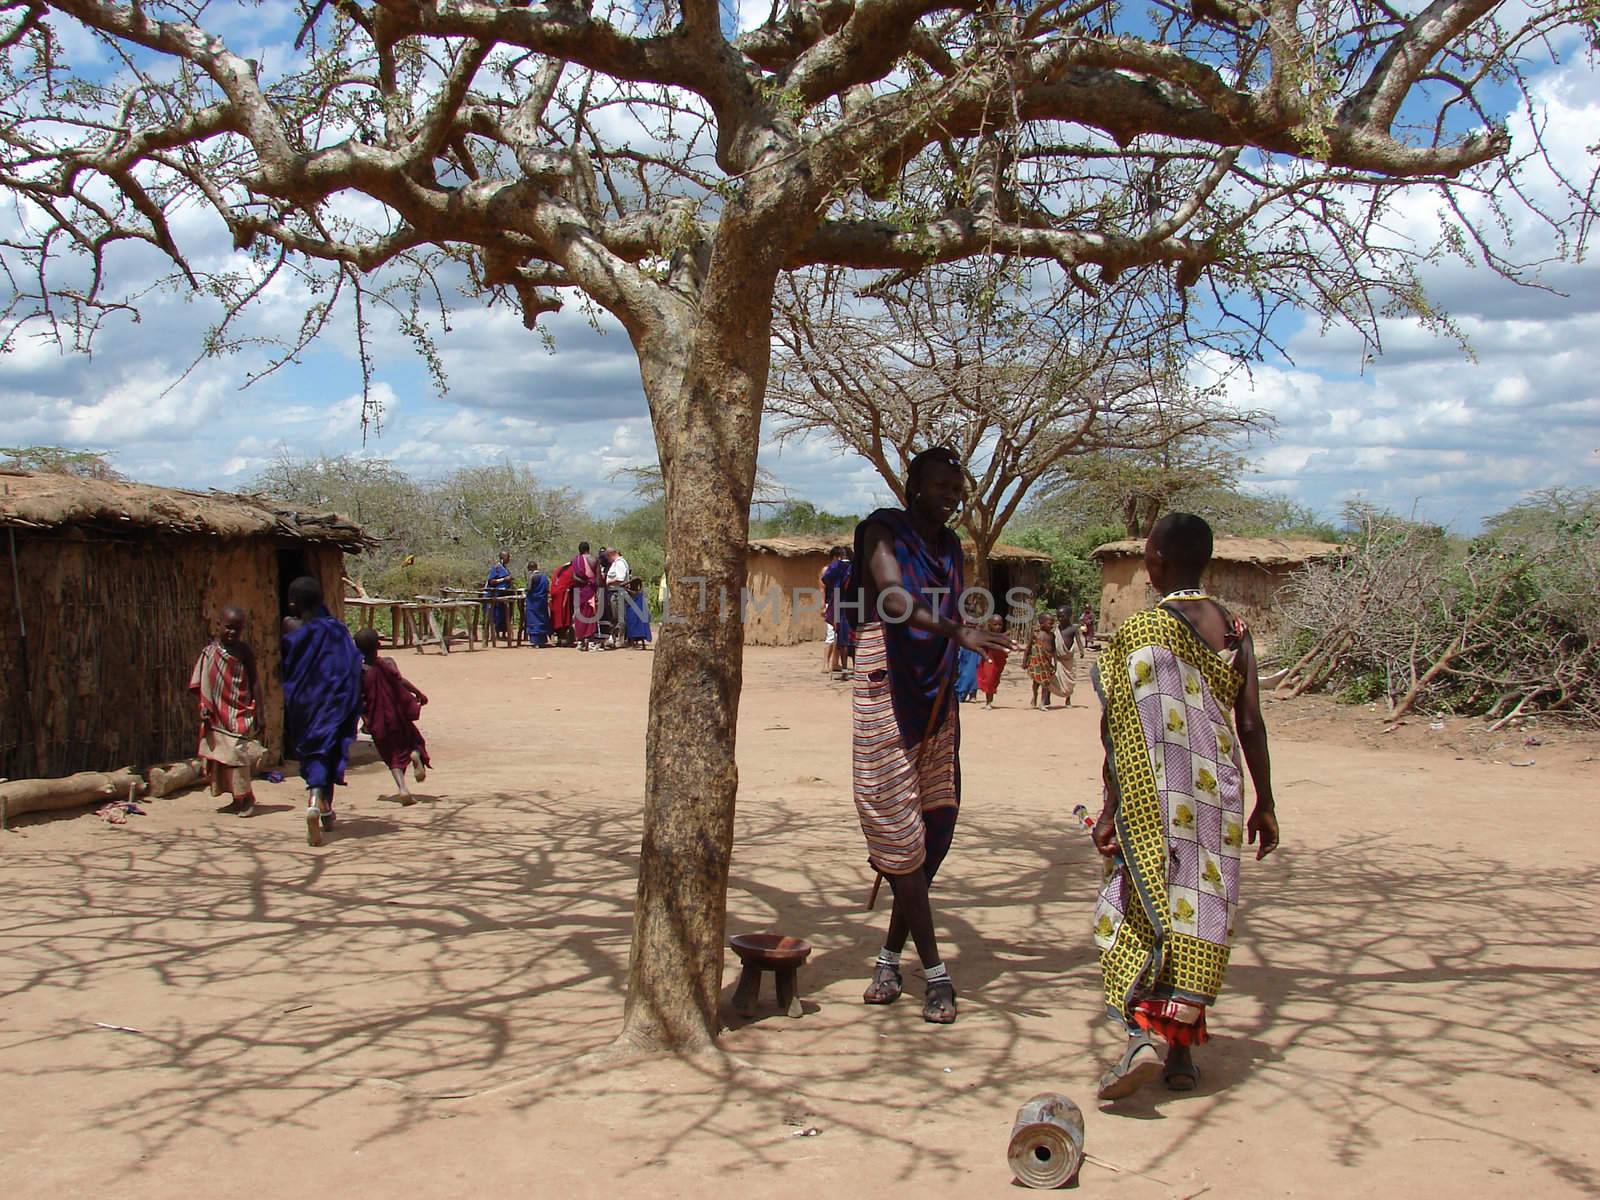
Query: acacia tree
85	464
658	163
1018	378
1133	486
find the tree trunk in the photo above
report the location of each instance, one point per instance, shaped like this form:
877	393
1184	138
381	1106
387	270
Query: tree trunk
708	432
983	540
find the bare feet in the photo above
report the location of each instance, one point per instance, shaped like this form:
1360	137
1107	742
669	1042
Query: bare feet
417	765
313	826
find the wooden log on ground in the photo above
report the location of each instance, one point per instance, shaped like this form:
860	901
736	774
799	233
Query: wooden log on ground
175	777
86	787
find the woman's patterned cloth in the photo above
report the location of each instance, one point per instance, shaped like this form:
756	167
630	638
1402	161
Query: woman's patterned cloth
1165	922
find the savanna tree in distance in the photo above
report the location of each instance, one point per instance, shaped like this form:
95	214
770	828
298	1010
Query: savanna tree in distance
1023	380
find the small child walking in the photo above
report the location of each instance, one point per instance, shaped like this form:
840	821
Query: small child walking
1039	661
224	684
967	662
391	704
990	669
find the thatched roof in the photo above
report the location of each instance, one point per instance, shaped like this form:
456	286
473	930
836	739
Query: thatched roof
797	547
800	547
1257	551
48	501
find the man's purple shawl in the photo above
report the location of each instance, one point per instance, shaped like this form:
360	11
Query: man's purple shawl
922	665
321	696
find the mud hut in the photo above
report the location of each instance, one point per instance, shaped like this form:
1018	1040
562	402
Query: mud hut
107	593
785	601
1245	574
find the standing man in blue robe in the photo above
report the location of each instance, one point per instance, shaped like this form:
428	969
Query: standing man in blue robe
536	608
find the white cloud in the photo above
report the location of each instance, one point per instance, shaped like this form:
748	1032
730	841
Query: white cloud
1421	423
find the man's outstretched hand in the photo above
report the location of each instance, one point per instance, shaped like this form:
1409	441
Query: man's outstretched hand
981	641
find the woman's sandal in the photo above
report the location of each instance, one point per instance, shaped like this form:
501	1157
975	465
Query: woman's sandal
1140	1064
1184	1078
939	1004
885	987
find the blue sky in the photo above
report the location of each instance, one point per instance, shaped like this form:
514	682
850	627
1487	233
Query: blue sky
1423	427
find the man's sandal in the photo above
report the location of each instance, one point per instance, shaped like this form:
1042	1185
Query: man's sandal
939	1004
885	987
1140	1064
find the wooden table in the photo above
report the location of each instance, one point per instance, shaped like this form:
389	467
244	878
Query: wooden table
431	621
368	605
481	596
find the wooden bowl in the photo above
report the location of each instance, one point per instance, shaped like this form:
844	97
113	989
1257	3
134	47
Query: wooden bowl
770	949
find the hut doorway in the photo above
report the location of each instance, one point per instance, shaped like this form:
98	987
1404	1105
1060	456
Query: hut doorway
291	565
999	585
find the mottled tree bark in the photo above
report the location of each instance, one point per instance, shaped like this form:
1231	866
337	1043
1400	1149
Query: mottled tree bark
708	431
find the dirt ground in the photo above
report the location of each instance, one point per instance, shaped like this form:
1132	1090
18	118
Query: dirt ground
201	1005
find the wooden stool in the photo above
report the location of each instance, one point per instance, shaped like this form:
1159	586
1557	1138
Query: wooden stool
775	952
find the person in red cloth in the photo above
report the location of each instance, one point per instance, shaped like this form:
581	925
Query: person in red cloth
224	684
390	708
561	604
989	670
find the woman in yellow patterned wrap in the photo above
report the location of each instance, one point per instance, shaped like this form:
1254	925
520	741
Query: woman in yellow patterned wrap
1180	705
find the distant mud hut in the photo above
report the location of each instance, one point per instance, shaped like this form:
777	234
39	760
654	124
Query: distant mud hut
785	599
1246	574
107	593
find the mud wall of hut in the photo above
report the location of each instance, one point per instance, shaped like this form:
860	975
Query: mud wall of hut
776	583
113	629
1248	589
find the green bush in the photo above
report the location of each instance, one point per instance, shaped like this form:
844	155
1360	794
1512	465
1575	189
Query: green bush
429	575
1074	577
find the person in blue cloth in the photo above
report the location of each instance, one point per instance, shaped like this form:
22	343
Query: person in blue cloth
321	699
498	583
636	615
536	608
835	579
967	674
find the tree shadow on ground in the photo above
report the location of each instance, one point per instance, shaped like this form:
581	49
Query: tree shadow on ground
279	990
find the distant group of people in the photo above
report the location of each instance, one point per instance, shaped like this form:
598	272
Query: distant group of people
332	683
1050	659
594	601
